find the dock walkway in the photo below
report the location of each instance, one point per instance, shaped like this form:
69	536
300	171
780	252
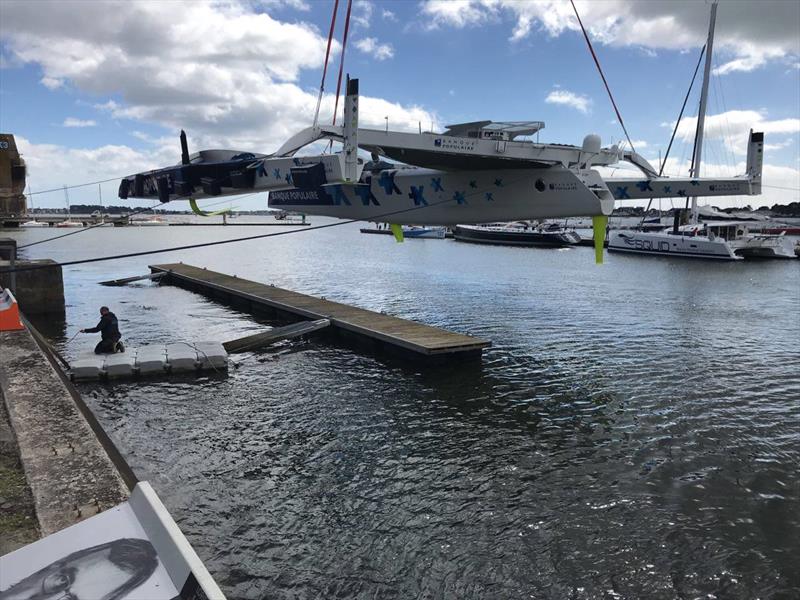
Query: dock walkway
381	331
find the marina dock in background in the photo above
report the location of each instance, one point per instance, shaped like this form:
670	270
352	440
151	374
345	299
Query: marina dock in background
377	330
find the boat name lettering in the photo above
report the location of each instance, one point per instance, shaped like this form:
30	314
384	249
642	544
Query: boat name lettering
726	187
647	245
563	187
454	144
295	195
3	145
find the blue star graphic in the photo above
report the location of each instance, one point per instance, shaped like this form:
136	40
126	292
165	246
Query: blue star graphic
339	196
288	178
473	184
498	182
296	162
622	192
417	197
489	197
681	192
387	183
667	189
644	186
694	182
261	170
277	173
459	198
436	182
364	191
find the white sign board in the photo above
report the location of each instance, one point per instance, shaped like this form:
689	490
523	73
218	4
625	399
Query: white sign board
133	551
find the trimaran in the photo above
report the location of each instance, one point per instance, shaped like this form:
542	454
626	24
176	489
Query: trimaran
475	172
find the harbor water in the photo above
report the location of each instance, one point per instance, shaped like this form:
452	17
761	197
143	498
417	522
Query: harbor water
633	432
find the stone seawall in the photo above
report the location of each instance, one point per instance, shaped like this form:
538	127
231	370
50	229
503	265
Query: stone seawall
71	466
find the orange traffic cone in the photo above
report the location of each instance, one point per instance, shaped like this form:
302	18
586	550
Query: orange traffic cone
9	312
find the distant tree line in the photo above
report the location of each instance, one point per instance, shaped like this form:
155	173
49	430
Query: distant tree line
791	209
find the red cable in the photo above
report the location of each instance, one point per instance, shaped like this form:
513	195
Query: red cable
327	55
600	69
341	62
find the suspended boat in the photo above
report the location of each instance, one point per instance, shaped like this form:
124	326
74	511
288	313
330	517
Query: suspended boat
475	172
472	173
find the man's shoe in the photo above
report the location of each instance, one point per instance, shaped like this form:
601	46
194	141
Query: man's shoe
120	347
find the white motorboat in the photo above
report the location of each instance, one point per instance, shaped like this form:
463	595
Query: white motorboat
153	221
756	245
33	223
410	231
69	223
420	231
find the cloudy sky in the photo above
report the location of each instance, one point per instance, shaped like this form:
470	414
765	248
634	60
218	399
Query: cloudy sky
97	89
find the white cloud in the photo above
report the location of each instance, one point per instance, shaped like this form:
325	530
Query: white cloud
362	13
300	5
388	15
73	122
53	166
220	71
748	34
638	144
731	128
371	46
52	83
456	13
571	99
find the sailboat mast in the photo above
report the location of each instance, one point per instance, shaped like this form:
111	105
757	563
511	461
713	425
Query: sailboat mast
701	116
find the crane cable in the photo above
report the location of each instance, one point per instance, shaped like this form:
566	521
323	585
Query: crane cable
600	69
341	58
325	66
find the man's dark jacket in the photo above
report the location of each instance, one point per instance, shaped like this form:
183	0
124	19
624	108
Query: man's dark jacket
108	327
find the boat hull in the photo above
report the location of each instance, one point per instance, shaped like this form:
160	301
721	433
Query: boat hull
765	246
512	237
664	244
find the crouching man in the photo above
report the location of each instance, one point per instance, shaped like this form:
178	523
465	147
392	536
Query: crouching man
108	327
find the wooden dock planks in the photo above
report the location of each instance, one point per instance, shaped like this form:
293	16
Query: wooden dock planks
417	338
258	340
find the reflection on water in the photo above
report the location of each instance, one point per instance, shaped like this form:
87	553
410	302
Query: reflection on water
633	432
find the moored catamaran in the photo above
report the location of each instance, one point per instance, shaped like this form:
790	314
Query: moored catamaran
729	240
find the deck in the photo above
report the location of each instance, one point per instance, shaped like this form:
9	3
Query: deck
381	331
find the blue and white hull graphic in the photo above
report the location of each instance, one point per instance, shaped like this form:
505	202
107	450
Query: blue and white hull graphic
416	195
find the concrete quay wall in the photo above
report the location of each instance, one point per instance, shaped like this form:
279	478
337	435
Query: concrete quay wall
38	291
72	468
